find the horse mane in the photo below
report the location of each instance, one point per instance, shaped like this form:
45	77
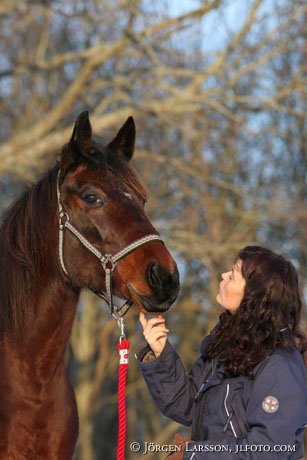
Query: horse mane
25	244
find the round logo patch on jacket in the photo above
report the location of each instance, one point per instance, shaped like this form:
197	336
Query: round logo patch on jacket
270	404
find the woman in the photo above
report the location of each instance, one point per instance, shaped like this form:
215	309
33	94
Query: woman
246	395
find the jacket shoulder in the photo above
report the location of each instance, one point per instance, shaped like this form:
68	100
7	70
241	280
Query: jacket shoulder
283	358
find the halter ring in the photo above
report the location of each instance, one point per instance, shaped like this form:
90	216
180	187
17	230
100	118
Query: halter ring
63	218
108	263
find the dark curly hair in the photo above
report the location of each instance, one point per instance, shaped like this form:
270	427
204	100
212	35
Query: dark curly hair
268	316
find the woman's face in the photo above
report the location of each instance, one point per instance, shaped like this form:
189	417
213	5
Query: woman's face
231	288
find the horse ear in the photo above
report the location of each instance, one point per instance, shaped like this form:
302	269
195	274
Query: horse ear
80	141
123	142
82	134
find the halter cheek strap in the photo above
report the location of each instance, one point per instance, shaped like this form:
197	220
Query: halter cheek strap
108	261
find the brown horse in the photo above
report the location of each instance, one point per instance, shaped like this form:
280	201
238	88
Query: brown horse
55	240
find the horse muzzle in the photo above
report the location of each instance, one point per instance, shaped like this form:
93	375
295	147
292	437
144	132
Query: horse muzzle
164	288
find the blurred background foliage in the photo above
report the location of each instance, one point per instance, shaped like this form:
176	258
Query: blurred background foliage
218	91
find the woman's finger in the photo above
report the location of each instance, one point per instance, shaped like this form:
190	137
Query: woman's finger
143	320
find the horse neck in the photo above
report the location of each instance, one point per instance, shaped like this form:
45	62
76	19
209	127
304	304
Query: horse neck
37	305
54	309
40	346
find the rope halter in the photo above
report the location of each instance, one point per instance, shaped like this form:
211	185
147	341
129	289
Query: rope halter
108	261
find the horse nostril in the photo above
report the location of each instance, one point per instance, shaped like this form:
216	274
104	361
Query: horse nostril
153	276
164	284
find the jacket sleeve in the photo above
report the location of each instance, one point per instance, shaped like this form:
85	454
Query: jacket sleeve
172	389
271	434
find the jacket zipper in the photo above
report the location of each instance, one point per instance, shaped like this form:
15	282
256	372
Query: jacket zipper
202	386
229	414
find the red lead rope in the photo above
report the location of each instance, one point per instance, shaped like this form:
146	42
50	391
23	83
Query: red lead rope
123	350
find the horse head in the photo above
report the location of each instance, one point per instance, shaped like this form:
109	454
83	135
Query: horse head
103	198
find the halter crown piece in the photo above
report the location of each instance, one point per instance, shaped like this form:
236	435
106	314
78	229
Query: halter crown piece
108	261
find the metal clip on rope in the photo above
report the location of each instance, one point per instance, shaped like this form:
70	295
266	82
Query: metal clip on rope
121	325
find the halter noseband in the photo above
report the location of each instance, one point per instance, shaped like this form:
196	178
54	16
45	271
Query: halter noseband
108	261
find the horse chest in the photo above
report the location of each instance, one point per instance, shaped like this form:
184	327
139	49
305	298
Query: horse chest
37	422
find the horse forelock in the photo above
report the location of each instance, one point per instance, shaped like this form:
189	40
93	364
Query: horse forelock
26	245
109	166
126	174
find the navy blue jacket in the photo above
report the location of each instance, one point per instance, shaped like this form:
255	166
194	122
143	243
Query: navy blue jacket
235	418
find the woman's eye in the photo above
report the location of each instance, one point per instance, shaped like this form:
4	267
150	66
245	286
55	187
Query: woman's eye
93	199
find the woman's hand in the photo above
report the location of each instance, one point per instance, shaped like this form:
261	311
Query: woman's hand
155	332
180	442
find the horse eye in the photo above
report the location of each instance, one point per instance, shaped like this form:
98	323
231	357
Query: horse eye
93	199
